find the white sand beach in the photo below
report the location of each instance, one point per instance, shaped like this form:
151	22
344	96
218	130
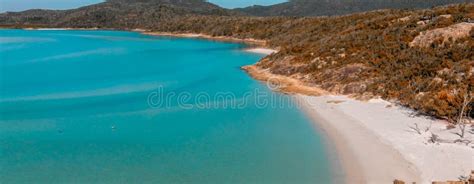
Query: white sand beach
249	41
261	50
376	144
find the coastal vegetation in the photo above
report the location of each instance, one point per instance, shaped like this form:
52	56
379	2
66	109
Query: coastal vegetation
377	53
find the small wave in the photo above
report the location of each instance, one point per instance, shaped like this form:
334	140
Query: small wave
26	125
5	40
122	89
10	48
181	49
102	51
109	38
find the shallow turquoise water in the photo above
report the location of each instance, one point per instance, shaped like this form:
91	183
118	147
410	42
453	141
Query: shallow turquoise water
82	107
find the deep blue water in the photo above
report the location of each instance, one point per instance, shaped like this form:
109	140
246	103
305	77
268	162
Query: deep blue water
83	107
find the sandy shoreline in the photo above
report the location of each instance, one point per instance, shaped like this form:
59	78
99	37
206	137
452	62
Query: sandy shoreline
261	50
374	139
358	151
378	135
364	158
260	43
257	46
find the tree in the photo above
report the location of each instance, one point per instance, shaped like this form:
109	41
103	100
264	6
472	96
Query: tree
464	119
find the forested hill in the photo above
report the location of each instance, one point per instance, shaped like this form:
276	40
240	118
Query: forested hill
115	14
340	7
147	13
191	6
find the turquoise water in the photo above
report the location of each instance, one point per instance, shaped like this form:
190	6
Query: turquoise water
86	107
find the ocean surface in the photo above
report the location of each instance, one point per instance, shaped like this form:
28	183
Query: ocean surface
122	107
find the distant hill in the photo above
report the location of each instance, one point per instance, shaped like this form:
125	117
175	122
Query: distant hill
340	7
150	13
115	14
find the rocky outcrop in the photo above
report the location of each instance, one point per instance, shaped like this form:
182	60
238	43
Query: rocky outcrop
450	33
